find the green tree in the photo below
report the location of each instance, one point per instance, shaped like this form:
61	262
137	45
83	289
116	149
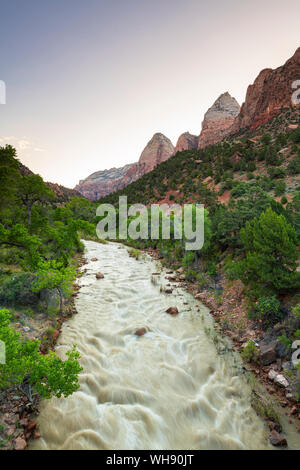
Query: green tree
48	375
32	189
8	173
53	275
271	253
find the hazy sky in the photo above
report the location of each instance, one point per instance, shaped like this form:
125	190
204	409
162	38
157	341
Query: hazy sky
90	81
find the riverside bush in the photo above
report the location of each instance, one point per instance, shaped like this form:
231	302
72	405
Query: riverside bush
18	291
48	375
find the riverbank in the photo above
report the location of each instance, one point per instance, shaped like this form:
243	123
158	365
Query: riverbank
19	409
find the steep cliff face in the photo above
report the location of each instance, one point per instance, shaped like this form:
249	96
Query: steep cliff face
218	119
105	182
186	141
271	91
158	150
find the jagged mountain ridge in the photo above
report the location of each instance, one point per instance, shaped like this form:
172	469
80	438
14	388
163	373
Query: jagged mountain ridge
269	94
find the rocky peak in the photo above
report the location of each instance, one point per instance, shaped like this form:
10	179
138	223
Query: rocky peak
225	105
186	141
102	183
158	150
271	91
218	119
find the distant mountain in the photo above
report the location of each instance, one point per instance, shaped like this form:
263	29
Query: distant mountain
186	141
101	183
218	119
270	93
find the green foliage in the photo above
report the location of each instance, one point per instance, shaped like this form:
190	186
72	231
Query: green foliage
48	375
268	309
53	275
18	291
266	139
250	352
271	253
293	167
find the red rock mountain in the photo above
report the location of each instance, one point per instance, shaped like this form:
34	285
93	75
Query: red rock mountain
218	119
158	150
271	91
101	183
186	141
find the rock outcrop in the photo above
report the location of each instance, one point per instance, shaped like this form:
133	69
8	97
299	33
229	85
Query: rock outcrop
270	93
186	141
218	119
158	150
102	183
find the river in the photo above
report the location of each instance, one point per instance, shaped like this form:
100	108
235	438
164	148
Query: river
174	388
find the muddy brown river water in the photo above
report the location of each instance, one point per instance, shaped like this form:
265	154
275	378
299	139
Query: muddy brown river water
173	388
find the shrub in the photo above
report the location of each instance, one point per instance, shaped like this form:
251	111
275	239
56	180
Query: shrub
250	352
48	375
293	167
268	309
18	291
276	172
280	188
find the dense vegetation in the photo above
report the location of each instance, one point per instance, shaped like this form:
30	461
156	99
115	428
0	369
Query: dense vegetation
39	238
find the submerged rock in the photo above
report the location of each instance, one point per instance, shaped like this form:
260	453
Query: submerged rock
172	311
99	276
141	332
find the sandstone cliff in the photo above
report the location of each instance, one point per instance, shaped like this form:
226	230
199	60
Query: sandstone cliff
101	183
186	141
271	91
218	119
158	150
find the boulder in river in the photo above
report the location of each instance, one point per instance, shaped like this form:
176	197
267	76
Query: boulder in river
172	311
169	291
94	259
99	276
141	332
277	439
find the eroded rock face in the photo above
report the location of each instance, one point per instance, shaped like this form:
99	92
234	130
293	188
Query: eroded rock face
105	182
186	141
271	91
101	183
218	119
158	150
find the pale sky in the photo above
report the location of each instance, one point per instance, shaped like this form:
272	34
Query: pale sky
90	81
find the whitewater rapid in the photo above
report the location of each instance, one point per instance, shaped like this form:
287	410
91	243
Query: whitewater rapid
174	388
